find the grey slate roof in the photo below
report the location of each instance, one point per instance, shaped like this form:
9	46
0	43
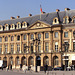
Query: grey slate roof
48	18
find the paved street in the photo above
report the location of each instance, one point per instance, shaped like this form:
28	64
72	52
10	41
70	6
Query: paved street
18	72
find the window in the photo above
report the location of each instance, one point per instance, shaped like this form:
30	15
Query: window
12	38
6	38
6	48
18	25
73	20
46	46
18	38
74	46
56	34
56	46
66	46
12	26
56	62
18	48
0	49
24	48
24	24
32	36
17	61
66	20
31	47
0	39
46	35
6	27
55	20
39	36
39	47
12	48
65	34
25	37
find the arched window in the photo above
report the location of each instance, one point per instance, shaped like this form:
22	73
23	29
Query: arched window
6	38
39	36
55	20
18	38
11	60
12	38
66	20
17	60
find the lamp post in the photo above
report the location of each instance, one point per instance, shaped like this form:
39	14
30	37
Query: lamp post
36	41
66	46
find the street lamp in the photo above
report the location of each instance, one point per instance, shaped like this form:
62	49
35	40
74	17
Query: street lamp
66	46
36	41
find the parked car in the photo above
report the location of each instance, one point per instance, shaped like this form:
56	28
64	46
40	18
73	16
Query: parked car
58	68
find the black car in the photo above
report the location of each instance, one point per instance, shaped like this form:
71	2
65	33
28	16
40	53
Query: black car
58	68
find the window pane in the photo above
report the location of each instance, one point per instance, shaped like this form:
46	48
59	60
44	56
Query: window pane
6	38
25	37
0	48
18	48
39	36
0	39
46	35
56	34
47	46
12	48
65	34
39	47
18	38
12	38
32	36
6	48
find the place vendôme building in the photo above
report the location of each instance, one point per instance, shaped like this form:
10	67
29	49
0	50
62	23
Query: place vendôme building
36	41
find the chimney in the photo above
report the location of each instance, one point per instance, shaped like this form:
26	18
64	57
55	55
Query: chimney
66	9
43	12
57	10
18	17
30	14
12	17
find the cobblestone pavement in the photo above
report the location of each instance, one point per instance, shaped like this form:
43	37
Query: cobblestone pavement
20	72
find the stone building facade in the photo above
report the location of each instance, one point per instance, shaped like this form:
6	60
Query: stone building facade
32	41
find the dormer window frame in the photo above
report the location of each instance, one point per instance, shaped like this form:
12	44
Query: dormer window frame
66	20
1	28
55	20
24	24
18	25
6	27
11	28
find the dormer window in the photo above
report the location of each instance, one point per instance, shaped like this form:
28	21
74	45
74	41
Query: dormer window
73	19
12	27
18	25
6	27
1	27
66	20
55	20
24	24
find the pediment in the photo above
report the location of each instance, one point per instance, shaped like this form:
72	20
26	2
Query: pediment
39	24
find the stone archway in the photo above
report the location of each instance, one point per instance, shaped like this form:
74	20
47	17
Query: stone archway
55	61
23	61
17	62
5	62
45	60
30	61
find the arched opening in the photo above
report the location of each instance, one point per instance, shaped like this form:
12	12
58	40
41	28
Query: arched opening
46	60
5	62
31	61
17	60
55	61
23	61
38	61
11	60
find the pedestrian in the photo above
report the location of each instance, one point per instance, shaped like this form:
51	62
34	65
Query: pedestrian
45	68
11	67
2	66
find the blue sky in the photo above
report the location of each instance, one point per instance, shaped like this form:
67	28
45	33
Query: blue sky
23	8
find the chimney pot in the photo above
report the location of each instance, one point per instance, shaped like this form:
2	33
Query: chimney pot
12	17
30	14
57	10
66	9
18	17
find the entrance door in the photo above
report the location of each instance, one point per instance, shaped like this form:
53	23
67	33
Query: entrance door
73	62
38	61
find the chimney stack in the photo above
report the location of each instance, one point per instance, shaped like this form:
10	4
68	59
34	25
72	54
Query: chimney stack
12	17
66	9
30	14
18	17
57	10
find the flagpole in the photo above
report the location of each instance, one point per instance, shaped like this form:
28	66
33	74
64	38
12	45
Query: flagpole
40	11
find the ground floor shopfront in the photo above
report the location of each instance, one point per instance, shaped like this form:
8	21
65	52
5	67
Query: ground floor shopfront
51	59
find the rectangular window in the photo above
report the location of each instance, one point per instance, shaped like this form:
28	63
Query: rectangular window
24	37
18	48
32	36
46	46
12	38
39	47
46	35
0	49
56	34
65	34
6	48
56	46
39	36
66	46
31	47
6	38
12	48
74	46
0	39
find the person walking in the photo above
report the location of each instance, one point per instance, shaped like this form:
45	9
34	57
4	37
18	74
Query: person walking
45	68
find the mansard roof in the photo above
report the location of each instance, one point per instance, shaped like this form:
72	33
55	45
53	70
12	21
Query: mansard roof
47	18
